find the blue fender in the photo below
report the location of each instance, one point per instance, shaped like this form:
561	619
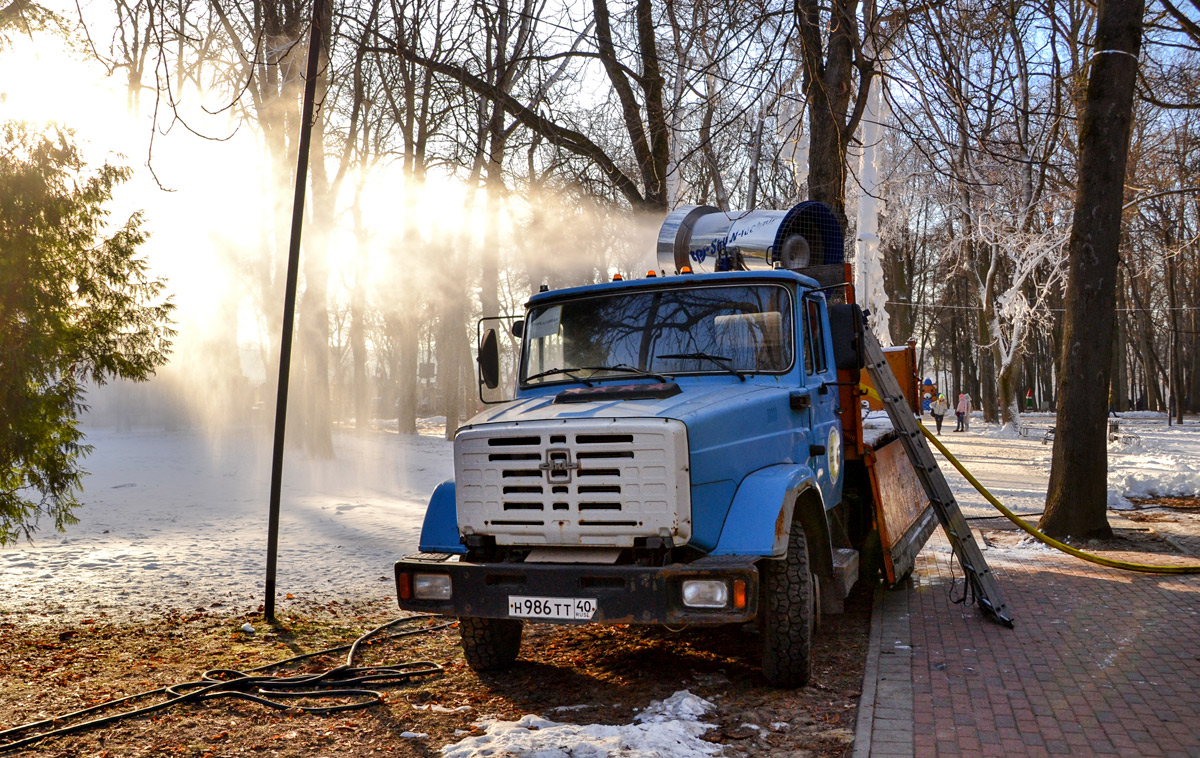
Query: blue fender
760	516
439	533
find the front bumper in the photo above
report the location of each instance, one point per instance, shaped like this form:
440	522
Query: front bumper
623	594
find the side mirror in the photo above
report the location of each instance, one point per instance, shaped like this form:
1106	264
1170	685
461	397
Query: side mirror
518	329
499	354
489	360
846	326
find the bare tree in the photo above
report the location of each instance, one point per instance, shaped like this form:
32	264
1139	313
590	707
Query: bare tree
647	132
836	86
1077	498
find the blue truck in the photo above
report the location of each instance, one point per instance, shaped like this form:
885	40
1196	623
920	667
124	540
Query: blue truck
684	448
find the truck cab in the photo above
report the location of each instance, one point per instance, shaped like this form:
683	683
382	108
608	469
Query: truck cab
674	453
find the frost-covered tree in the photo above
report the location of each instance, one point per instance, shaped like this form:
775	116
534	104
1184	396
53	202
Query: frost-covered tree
76	306
1034	261
993	122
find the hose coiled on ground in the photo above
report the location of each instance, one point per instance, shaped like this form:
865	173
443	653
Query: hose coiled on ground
346	681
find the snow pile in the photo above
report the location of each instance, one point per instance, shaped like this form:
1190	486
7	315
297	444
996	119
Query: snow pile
666	729
1153	459
682	706
1033	545
1155	476
1007	432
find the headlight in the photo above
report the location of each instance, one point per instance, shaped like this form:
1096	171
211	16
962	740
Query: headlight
705	593
431	586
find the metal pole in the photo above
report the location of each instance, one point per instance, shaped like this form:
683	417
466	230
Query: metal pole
289	304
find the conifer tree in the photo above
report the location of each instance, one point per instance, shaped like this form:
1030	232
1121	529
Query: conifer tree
77	306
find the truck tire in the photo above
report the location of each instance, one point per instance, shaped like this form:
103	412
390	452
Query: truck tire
490	644
788	614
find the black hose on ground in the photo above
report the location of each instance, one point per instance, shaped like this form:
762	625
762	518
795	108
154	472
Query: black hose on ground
346	681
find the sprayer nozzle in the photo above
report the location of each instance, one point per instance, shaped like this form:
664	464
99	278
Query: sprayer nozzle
685	270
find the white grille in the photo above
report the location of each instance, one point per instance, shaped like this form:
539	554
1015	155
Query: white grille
574	482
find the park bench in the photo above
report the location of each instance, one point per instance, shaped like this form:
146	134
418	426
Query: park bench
1114	433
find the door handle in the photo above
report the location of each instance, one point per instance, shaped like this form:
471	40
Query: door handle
799	400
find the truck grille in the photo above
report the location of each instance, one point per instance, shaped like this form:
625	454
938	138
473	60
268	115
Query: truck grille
576	482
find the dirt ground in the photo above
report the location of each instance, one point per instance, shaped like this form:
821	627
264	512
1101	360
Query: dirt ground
591	674
587	674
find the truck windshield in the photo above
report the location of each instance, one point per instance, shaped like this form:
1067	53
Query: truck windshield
693	330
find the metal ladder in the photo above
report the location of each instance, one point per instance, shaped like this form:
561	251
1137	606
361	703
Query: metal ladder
987	592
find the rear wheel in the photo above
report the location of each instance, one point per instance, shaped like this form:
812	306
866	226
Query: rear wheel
789	614
490	644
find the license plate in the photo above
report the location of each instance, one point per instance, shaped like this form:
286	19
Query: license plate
564	608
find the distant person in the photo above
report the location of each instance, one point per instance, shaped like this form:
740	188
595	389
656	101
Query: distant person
958	414
964	411
938	409
1029	401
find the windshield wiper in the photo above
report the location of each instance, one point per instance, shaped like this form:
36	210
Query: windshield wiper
564	371
720	360
625	367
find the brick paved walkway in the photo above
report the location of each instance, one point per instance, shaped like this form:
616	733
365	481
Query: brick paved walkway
1101	662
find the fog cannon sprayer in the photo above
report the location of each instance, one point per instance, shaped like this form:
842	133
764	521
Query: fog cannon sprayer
806	238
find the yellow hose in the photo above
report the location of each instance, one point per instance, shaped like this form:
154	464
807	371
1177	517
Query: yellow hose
1124	565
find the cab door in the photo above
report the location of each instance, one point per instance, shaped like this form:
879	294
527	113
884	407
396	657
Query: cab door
820	380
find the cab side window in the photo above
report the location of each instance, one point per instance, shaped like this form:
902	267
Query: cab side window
814	349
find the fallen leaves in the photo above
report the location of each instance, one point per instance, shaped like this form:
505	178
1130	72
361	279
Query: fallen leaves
608	668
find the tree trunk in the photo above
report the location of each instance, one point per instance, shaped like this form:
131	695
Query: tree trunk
1194	379
1151	366
1119	389
448	369
831	55
955	360
358	329
314	305
1006	387
987	370
710	154
755	160
1176	375
407	348
1077	499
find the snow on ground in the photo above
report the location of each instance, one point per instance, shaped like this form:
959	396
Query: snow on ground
668	728
1156	461
178	519
1150	459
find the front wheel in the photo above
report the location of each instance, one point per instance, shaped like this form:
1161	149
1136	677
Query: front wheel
490	644
789	614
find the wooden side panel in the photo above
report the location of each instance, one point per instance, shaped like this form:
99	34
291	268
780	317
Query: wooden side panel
902	509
